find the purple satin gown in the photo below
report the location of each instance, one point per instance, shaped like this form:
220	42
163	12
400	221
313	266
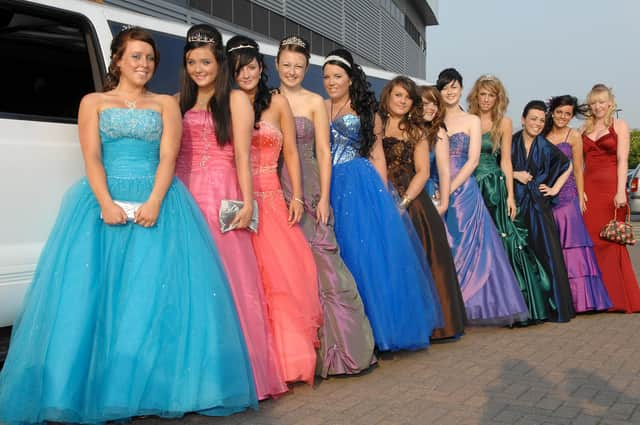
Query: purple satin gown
489	288
346	339
585	279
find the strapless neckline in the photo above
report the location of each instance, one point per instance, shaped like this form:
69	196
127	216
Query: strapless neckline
115	108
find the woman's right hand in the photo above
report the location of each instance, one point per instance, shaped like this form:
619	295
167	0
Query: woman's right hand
113	214
522	176
243	217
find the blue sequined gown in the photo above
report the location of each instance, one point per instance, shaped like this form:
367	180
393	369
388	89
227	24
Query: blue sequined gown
396	287
123	320
489	287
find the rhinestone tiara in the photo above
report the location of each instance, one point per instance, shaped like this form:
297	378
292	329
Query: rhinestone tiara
200	37
295	41
241	46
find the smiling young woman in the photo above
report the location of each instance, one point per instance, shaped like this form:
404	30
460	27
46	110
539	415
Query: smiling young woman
606	151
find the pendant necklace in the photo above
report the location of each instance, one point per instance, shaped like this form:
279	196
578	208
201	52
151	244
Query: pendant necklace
333	117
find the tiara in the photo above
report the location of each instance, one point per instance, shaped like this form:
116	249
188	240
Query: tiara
200	37
337	59
241	46
294	40
488	77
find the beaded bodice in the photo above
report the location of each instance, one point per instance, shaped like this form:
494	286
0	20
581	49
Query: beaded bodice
400	166
568	191
266	143
345	138
305	138
199	149
130	141
486	150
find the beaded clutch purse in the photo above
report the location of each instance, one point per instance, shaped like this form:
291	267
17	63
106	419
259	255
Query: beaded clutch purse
228	210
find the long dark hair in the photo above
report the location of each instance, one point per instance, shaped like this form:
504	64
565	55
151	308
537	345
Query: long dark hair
118	46
432	128
363	100
411	122
203	35
242	51
558	101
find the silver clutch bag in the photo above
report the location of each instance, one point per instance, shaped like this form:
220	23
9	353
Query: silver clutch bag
228	210
129	208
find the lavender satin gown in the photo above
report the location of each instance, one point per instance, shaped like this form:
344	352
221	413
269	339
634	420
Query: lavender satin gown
585	278
346	339
489	287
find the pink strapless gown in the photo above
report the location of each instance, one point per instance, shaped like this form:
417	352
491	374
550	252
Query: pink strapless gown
209	172
286	263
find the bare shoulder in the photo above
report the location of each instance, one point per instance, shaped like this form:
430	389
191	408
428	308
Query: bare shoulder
442	135
167	102
279	101
574	137
92	100
313	98
620	126
506	123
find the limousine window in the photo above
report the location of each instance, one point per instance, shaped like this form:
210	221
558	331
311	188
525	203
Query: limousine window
47	66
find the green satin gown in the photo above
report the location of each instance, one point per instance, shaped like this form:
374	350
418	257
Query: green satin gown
531	276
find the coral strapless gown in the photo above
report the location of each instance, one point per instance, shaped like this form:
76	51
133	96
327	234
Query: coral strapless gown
286	263
346	339
209	172
124	320
600	184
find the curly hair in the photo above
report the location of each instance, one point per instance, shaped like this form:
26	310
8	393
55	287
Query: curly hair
118	46
411	123
432	94
363	100
596	91
242	51
219	102
499	109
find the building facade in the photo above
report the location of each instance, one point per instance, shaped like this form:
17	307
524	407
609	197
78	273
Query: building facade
386	34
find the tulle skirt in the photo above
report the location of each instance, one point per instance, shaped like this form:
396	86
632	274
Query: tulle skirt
123	320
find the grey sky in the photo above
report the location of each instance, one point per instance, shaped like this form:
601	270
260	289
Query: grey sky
542	48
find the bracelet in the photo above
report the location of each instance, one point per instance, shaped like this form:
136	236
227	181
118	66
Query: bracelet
405	202
298	199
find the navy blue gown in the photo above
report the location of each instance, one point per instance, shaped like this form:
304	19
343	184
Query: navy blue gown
545	163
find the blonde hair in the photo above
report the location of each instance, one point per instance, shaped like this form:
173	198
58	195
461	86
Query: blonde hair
493	84
590	120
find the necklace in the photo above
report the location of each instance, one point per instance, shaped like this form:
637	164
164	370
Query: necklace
333	117
131	104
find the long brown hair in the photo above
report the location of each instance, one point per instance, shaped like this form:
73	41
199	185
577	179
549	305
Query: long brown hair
411	122
118	46
204	35
494	85
432	94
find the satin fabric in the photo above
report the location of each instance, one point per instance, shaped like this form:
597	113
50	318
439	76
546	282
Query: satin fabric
600	186
545	163
346	338
531	275
286	263
123	320
209	172
489	288
587	289
430	229
393	282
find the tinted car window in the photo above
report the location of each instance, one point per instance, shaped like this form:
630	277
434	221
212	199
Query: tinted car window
46	64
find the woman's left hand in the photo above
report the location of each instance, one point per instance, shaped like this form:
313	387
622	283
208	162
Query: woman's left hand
547	191
323	211
295	212
147	214
620	200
